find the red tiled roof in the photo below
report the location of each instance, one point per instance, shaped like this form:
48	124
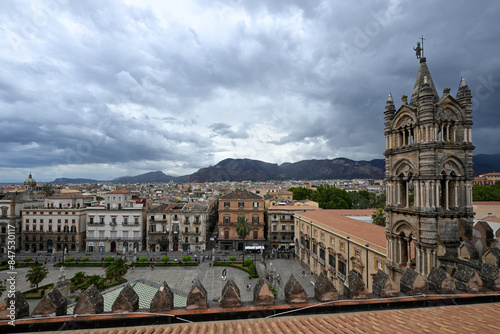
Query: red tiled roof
492	219
338	219
477	318
119	191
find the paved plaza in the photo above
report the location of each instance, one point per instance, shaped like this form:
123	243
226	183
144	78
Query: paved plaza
181	278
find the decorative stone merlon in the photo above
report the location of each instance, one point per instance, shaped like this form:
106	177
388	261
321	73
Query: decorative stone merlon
384	286
127	301
51	305
230	295
324	291
262	294
294	292
490	276
441	282
355	288
467	279
412	283
197	298
15	307
163	300
91	302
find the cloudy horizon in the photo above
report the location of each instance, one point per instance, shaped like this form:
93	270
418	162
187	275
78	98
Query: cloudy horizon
102	89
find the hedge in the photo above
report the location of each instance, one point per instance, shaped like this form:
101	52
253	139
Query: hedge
230	264
84	259
163	264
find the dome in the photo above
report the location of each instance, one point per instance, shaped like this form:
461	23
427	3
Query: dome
30	181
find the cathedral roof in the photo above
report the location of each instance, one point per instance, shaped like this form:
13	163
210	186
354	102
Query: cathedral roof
423	72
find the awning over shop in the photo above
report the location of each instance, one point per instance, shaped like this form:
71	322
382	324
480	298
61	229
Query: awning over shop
254	247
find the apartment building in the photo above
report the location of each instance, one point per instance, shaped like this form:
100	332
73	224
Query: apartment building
180	226
118	225
233	205
281	226
56	225
11	206
335	242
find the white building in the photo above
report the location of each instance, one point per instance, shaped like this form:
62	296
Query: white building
118	226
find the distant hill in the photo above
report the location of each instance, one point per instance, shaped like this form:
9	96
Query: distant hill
486	163
256	170
150	177
77	180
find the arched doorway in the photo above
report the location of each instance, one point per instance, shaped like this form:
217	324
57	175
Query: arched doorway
113	246
33	248
136	246
73	247
50	245
240	246
125	247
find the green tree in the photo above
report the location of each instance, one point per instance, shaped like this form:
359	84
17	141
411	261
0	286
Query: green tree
243	229
329	197
116	270
300	193
486	192
78	278
378	217
36	275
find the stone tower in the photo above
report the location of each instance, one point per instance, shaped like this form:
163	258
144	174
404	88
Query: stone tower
428	176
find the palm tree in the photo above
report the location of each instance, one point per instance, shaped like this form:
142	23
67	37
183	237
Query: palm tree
378	217
36	275
116	270
243	230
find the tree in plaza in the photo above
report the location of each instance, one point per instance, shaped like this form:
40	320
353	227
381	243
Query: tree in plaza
378	217
36	275
116	270
243	229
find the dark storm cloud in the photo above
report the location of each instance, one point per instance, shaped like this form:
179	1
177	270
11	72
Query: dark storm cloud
127	86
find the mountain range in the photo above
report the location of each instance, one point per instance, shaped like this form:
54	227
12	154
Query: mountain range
256	170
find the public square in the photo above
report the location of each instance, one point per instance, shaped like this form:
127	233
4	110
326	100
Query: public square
181	278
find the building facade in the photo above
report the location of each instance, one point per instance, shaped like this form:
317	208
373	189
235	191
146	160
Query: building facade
428	176
56	225
118	225
236	204
11	206
281	231
181	226
334	243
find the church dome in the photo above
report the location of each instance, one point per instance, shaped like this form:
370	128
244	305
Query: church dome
30	181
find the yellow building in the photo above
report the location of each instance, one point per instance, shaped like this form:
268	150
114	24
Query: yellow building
337	241
486	209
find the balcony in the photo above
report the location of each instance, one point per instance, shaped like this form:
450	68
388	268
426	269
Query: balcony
341	276
322	261
159	233
314	256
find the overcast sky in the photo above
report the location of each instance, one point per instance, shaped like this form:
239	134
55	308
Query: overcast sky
102	89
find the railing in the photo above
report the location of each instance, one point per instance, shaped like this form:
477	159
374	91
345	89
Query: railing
322	261
314	256
340	275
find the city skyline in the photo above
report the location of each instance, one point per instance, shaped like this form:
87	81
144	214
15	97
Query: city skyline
101	90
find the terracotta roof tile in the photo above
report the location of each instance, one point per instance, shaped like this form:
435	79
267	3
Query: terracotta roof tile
479	318
337	219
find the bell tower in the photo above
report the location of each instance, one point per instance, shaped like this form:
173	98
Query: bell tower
428	160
